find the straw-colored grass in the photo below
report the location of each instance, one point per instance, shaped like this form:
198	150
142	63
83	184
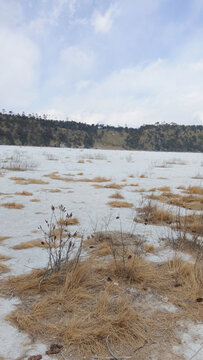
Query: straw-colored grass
2	238
149	248
152	214
120	204
116	196
24	193
164	188
113	186
32	244
24	181
55	176
83	307
140	190
13	205
4	257
4	268
54	190
196	190
34	200
143	176
69	221
98	179
191	202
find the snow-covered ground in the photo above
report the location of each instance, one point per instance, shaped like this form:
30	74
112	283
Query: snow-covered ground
89	204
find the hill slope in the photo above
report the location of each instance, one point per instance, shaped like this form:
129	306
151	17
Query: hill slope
29	130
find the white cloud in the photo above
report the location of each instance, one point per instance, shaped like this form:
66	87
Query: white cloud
41	24
103	23
74	64
19	69
159	91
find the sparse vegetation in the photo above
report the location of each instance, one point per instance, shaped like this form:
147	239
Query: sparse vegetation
116	196
120	204
13	205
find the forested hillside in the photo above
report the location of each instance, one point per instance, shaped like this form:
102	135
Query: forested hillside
35	131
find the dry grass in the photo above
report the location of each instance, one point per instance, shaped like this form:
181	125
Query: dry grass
140	190
191	202
80	173
54	190
97	179
164	188
24	181
4	257
198	177
2	238
81	162
24	193
13	205
116	196
34	200
152	214
113	186
4	268
196	190
54	176
143	176
80	307
149	248
31	244
120	204
69	221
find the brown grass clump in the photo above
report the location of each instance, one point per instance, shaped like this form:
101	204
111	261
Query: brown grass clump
34	200
143	176
13	205
140	190
164	188
198	177
31	244
24	193
3	268
82	307
113	186
100	310
149	248
69	221
80	173
54	190
4	257
120	204
54	176
2	238
152	214
196	190
191	202
97	179
23	181
81	162
116	196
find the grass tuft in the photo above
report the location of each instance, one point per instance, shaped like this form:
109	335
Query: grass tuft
13	205
120	204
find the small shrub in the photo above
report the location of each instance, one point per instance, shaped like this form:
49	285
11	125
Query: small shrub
59	241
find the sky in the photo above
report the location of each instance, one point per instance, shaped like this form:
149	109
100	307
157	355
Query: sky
119	62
